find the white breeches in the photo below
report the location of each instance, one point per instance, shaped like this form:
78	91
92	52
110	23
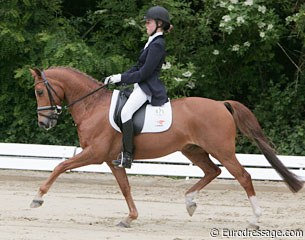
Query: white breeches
136	99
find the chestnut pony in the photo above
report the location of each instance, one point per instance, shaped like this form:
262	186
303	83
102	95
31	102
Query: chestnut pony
201	127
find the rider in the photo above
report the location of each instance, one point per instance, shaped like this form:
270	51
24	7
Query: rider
145	77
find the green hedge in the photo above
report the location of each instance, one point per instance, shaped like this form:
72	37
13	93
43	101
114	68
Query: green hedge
252	51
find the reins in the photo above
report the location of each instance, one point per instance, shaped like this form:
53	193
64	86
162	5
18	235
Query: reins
83	97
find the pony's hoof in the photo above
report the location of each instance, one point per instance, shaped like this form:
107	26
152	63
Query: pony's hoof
36	203
123	225
253	224
191	208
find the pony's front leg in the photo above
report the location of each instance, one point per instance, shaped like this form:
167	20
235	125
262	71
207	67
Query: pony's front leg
121	177
82	159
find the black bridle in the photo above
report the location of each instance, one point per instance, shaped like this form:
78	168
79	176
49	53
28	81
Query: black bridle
57	109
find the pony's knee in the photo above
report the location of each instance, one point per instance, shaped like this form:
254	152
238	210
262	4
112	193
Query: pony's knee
62	167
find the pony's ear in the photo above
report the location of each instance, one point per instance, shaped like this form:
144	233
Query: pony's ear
35	72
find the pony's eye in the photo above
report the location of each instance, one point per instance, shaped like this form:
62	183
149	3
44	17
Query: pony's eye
39	92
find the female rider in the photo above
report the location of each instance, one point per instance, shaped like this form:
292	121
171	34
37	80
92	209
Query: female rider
145	77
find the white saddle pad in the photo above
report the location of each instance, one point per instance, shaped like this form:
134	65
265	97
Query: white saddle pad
157	118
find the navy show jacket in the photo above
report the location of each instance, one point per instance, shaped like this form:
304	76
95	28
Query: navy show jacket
147	70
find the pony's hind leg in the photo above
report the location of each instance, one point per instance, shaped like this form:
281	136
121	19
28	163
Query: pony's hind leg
244	178
200	158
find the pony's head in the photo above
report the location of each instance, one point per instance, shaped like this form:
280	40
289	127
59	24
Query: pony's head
48	97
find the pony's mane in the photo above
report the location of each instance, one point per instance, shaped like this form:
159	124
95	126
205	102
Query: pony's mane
77	72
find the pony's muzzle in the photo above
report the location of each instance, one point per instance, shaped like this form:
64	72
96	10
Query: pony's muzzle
47	124
47	121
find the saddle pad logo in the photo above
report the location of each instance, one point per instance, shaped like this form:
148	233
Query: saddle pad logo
159	111
160	123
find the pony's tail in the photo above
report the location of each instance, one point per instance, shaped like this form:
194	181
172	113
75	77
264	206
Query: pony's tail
247	123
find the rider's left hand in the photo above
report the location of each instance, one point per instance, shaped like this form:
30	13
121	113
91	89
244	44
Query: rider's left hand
113	79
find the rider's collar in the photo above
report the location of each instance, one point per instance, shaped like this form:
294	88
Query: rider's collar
152	38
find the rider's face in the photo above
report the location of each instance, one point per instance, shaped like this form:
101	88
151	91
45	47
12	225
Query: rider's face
150	25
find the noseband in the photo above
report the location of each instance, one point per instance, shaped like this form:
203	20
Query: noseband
57	110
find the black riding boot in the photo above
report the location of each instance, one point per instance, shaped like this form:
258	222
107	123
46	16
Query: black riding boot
125	158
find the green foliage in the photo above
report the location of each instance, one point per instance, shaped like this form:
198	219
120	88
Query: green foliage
284	124
252	51
178	78
240	49
19	30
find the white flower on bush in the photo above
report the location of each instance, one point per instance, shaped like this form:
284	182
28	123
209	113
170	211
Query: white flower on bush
234	1
248	3
270	26
247	44
222	4
288	19
187	74
292	18
230	7
240	19
178	79
262	9
235	48
166	65
190	85
216	52
226	18
100	11
261	25
229	29
132	22
262	34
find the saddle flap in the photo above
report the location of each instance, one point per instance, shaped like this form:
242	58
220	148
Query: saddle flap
148	119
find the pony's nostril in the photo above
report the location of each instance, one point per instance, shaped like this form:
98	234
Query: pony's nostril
41	124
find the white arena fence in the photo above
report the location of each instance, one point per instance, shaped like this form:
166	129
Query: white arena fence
47	157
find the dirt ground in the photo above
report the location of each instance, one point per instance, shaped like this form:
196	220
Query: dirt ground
87	206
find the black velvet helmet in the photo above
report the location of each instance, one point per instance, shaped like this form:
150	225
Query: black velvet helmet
158	13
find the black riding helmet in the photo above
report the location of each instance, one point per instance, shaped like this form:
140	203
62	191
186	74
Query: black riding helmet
159	13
